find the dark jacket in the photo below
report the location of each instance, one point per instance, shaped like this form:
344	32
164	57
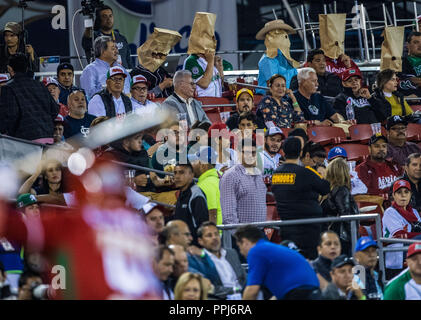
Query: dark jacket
322	266
33	65
154	78
108	101
65	92
416	193
330	84
27	110
332	293
232	122
384	107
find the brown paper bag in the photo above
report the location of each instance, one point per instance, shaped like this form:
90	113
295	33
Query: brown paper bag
202	36
332	34
392	48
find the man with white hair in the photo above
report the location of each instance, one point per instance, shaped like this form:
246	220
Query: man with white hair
182	103
312	103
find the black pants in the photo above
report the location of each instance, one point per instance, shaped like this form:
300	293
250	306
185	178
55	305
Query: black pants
304	294
306	237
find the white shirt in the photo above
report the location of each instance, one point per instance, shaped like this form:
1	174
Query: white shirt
143	109
190	111
215	86
96	106
270	164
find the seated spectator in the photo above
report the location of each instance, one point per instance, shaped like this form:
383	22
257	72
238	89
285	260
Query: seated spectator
321	169
398	148
177	232
278	109
339	65
219	139
356	103
94	76
54	89
198	135
328	249
313	104
27	281
342	286
377	172
413	176
154	218
181	264
139	93
58	129
366	256
410	77
190	286
78	121
271	156
221	266
390	101
65	78
163	265
51	179
182	101
399	221
247	124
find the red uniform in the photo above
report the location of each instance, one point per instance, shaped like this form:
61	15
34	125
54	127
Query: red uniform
336	66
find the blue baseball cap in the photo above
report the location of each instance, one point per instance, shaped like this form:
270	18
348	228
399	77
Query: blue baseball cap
365	242
336	152
205	155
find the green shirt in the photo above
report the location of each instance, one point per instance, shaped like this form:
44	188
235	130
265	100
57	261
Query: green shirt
209	183
402	287
416	64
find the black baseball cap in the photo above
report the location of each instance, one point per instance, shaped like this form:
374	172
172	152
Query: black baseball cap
394	120
64	65
341	261
375	138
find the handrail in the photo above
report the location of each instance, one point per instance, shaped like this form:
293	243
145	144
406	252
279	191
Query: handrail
394	240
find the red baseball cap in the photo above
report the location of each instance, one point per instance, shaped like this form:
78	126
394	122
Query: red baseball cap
401	184
3	77
218	126
351	72
414	249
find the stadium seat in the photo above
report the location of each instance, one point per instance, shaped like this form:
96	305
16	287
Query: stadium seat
360	133
257	99
326	135
213	115
213	100
158	100
413	132
356	152
416	107
368	227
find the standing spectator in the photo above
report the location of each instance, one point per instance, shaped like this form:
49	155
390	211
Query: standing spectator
104	23
278	109
182	100
219	139
378	173
78	121
407	285
243	192
53	87
65	78
94	76
111	101
413	176
296	190
398	148
410	77
284	272
139	93
27	109
190	286
313	154
163	265
399	221
271	156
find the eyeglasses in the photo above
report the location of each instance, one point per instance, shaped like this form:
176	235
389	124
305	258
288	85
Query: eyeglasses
117	79
140	88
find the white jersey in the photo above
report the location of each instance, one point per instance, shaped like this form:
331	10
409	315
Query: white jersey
270	164
143	109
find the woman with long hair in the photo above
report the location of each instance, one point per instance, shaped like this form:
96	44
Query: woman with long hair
190	286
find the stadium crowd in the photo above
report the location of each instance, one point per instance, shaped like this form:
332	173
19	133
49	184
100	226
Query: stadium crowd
148	228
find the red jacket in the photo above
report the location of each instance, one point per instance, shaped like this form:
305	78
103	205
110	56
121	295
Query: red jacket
336	66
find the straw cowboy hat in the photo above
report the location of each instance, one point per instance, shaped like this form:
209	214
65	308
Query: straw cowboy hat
273	25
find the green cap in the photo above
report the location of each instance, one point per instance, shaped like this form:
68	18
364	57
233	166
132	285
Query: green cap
25	200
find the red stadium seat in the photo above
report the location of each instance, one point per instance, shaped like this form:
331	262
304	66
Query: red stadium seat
213	115
257	99
326	135
355	152
416	107
159	100
413	132
360	132
213	100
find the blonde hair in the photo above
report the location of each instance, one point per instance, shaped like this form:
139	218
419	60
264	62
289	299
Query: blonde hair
184	279
337	173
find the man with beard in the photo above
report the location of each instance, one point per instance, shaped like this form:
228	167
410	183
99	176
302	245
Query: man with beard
377	173
413	176
78	120
271	156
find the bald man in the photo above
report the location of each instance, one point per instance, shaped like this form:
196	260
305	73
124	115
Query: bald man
178	232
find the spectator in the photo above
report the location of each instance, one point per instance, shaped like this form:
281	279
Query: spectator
65	78
406	285
321	169
111	101
328	249
366	256
339	201
154	218
58	129
277	59
399	221
104	23
271	156
342	286
139	93
378	173
313	104
14	43
413	176
247	124
190	286
221	266
177	232
410	79
313	154
94	76
219	139
398	148
27	281
340	64
296	190
390	101
163	265
284	272
182	102
243	192
301	134
5	290
356	103
54	89
27	108
278	109
329	83
181	263
191	206
78	121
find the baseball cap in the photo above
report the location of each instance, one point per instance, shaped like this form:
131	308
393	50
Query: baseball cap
351	72
241	91
25	199
114	71
401	184
365	242
341	261
65	65
139	79
376	137
3	77
50	80
273	131
148	207
59	118
218	126
205	155
414	249
336	152
13	27
394	120
291	245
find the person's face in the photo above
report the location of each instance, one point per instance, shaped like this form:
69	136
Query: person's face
244	103
139	91
397	132
246	125
367	258
181	263
330	247
244	245
182	237
176	136
58	132
155	220
318	64
11	39
111	54
402	197
414	46
354	83
210	239
107	19
165	266
310	84
378	150
342	277
318	160
278	88
25	292
53	173
191	291
77	104
65	77
414	264
273	143
187	86
54	91
183	176
135	143
116	83
413	170
249	156
32	210
391	85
